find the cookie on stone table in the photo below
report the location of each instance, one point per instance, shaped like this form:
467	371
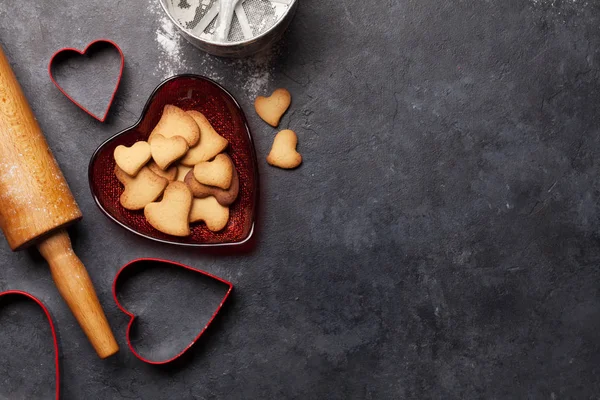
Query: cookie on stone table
272	108
283	154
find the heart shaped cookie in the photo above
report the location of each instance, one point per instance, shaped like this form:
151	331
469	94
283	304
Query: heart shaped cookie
218	172
170	215
176	122
225	197
132	159
140	190
166	150
211	143
272	108
210	295
283	154
211	212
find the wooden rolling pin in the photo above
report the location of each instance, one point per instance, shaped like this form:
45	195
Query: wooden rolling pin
36	205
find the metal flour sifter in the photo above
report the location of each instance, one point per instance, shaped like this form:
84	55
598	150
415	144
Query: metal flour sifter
231	28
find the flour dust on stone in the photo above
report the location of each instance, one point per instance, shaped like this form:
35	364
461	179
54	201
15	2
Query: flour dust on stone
558	4
256	73
174	51
554	3
171	60
252	74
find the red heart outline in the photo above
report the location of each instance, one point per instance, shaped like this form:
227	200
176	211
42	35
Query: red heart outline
133	316
112	97
54	335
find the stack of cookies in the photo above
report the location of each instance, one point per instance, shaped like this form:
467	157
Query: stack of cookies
184	162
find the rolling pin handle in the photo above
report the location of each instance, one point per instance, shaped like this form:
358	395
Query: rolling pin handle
75	286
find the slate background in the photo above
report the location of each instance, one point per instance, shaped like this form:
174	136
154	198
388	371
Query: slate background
440	240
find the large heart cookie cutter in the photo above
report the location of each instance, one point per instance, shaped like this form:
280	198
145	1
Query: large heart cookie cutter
83	52
132	316
52	329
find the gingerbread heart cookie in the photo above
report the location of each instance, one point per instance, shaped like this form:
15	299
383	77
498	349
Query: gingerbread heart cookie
140	190
170	215
211	212
283	153
225	197
176	122
211	143
166	150
272	108
132	159
218	172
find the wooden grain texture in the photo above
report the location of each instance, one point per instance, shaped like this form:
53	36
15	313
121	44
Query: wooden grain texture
75	286
34	196
36	203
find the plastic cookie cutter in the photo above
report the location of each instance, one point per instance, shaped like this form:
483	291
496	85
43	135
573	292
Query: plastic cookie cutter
70	52
52	329
145	262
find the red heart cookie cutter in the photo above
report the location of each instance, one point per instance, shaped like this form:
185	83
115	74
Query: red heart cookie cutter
132	316
101	118
52	329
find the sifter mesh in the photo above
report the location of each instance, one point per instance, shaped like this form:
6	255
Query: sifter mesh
250	19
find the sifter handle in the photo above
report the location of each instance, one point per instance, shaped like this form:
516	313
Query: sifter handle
223	24
75	286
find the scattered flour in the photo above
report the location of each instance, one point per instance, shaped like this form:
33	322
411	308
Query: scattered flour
252	74
172	60
257	83
255	73
559	8
558	3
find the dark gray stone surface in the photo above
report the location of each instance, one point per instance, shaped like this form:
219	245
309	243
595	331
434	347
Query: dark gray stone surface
440	240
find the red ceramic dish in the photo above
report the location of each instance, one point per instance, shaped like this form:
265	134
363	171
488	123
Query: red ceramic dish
189	92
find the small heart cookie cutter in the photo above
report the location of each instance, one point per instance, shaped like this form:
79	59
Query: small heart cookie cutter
83	52
52	329
133	316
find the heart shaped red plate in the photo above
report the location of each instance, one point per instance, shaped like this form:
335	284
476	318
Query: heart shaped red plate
189	92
